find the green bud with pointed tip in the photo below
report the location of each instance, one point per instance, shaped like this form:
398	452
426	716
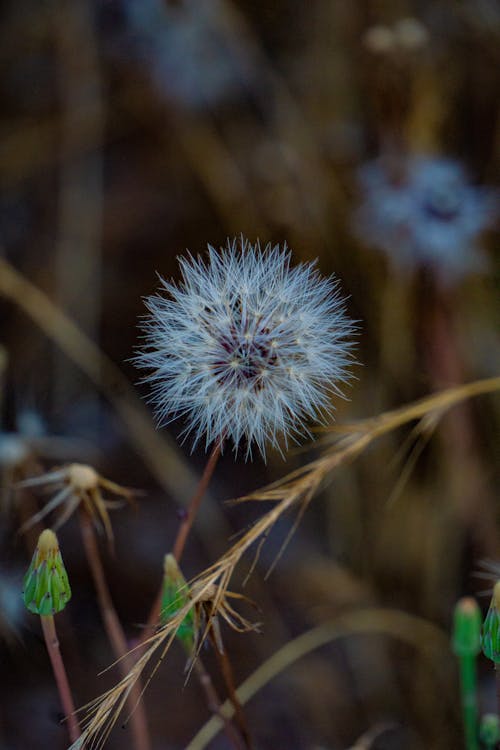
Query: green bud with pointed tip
467	628
489	730
490	639
176	596
46	589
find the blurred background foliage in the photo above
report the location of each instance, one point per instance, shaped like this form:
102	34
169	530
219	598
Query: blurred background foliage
133	130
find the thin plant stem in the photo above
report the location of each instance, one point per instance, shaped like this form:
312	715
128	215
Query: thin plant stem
194	505
114	630
184	529
214	704
52	643
227	673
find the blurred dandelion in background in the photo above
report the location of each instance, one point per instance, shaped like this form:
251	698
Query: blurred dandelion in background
246	346
425	213
192	56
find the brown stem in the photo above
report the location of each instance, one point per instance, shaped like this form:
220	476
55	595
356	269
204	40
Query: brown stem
52	642
183	532
213	703
227	673
194	505
115	633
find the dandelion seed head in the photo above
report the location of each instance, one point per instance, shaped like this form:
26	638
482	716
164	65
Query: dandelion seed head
425	214
246	347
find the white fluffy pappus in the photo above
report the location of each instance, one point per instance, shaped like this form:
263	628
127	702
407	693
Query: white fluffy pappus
245	347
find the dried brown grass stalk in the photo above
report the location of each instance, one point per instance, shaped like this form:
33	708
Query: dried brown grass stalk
340	445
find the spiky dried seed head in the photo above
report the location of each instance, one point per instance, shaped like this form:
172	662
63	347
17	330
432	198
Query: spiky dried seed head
82	477
246	346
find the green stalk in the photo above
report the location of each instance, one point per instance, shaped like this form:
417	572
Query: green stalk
466	645
468	686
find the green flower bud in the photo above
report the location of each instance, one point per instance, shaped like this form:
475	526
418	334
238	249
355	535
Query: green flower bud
490	639
176	596
467	628
46	589
489	730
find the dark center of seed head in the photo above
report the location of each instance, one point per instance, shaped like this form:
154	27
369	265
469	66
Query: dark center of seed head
246	357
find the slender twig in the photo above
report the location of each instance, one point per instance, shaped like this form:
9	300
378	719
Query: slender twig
227	673
194	505
183	531
214	704
114	630
52	643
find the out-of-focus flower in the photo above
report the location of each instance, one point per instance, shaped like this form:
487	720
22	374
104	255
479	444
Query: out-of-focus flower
407	35
424	213
193	55
246	347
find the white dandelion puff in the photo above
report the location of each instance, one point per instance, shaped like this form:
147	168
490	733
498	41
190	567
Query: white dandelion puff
246	347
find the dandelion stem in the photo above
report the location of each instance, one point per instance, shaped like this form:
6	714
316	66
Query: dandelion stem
184	529
194	505
52	643
114	630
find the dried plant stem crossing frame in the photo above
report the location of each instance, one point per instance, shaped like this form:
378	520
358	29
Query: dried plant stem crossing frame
340	445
